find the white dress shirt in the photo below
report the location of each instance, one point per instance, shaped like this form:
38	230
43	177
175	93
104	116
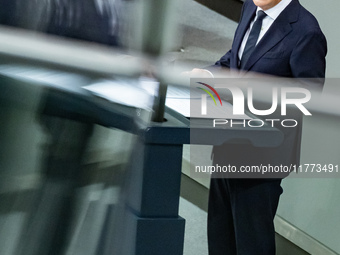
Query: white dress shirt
272	14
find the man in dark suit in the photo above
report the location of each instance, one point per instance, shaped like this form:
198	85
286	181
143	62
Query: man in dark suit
276	37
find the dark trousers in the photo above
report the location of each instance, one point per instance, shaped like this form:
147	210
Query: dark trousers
240	216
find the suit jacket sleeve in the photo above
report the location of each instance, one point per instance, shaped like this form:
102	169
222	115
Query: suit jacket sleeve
224	62
308	56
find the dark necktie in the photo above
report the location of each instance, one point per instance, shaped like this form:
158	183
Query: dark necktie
252	39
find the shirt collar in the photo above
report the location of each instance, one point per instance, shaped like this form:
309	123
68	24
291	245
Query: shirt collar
275	11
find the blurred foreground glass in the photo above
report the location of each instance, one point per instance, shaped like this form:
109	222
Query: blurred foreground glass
60	176
90	20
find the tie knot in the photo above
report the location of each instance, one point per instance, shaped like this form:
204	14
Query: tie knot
261	15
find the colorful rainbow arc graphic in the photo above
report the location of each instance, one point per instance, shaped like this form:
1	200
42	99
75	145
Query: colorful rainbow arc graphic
208	92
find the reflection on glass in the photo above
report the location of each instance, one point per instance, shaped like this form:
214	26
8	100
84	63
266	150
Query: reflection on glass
91	20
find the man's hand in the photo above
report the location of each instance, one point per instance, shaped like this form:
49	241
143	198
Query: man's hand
198	73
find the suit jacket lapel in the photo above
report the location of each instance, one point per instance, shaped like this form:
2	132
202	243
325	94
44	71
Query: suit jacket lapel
278	30
247	17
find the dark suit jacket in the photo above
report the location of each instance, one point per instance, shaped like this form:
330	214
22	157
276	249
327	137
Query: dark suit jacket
294	46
